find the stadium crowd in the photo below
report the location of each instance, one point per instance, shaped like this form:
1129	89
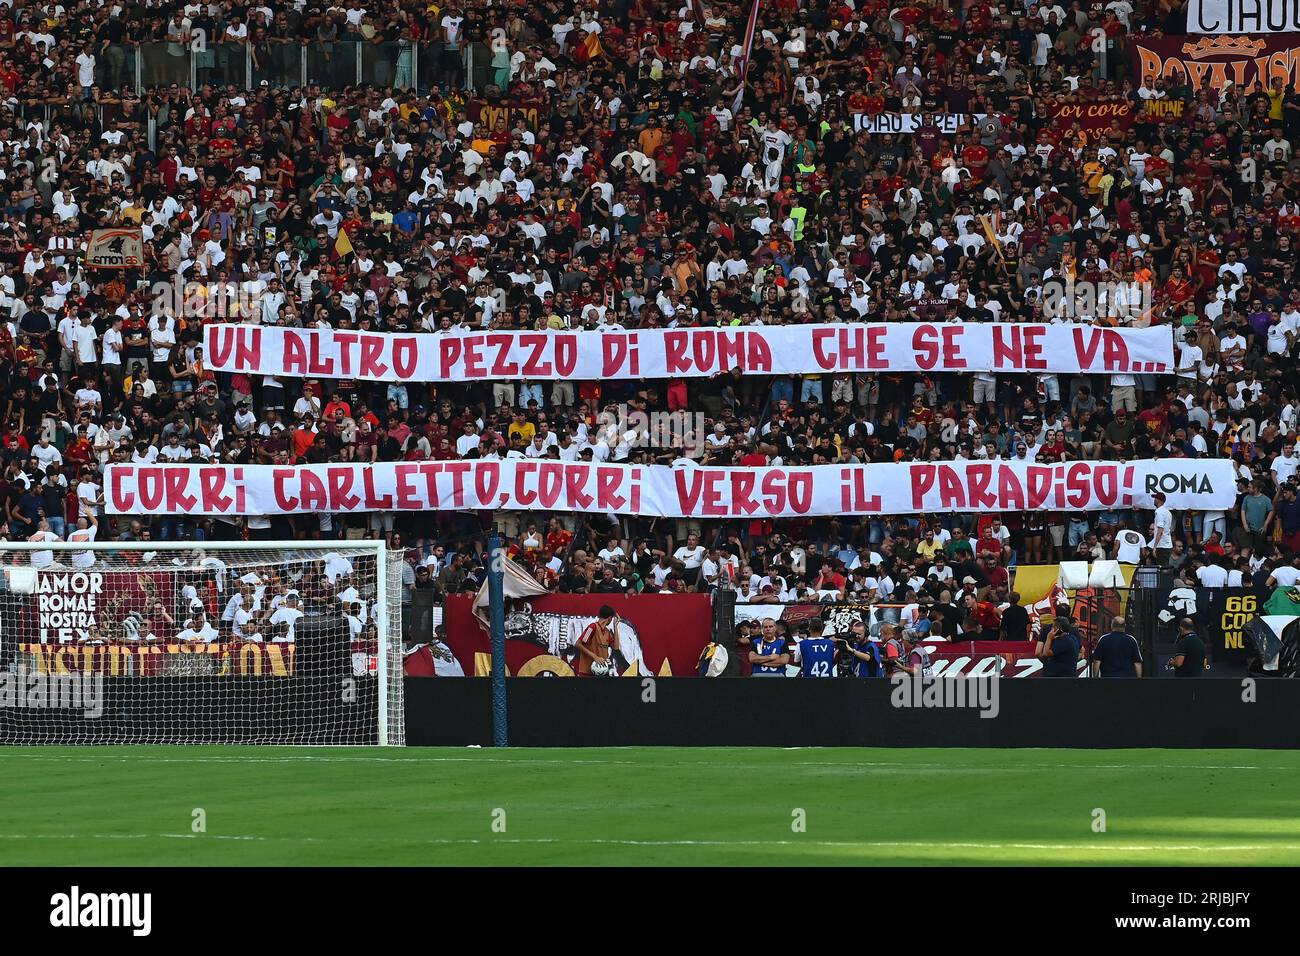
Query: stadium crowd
572	165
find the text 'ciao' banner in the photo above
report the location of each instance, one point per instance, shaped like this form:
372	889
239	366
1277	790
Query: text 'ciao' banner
661	491
686	353
1243	16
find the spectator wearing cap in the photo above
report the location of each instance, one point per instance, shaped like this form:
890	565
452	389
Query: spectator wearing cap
915	661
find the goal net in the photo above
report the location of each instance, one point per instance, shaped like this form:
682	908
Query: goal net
200	643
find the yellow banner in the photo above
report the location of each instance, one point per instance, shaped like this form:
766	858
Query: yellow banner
162	659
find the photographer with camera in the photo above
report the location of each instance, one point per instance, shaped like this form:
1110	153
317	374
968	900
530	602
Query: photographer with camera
865	659
916	659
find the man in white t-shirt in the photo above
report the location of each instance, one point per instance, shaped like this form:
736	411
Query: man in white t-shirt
1285	575
1212	575
1162	539
88	493
691	554
1285	464
612	553
87	528
1128	547
43	535
46	454
285	619
198	628
86	70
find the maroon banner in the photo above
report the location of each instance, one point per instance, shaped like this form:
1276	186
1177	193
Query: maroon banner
1093	119
985	658
97	603
490	115
1214	61
967	658
661	634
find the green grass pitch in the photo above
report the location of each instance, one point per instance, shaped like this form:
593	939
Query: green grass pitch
645	806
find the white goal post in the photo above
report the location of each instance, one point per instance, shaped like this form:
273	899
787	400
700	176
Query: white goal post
201	642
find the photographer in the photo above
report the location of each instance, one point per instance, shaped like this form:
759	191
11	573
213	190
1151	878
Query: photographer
865	653
1059	650
916	660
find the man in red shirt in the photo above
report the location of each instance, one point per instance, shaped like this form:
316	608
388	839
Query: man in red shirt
987	543
999	578
975	157
985	615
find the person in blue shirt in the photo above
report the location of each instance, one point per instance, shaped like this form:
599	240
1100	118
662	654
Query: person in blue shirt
1117	653
815	652
1059	650
769	655
867	661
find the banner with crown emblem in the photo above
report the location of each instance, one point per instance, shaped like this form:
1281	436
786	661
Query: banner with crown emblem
1212	62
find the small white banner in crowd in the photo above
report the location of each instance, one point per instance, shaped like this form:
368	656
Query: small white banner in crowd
661	491
688	352
1243	16
947	123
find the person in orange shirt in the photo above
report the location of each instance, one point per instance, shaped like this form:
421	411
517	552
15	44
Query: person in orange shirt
685	267
652	137
304	437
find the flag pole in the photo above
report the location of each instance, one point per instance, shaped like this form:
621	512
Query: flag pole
746	49
497	617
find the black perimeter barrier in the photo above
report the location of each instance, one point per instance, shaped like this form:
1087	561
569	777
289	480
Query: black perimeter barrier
683	712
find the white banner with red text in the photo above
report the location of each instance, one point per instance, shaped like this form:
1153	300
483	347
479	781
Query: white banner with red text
686	353
661	491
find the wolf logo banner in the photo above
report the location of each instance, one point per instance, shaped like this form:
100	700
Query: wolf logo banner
115	249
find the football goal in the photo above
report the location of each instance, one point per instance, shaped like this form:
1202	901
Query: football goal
195	642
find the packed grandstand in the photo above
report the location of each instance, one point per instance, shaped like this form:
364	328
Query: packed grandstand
440	172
